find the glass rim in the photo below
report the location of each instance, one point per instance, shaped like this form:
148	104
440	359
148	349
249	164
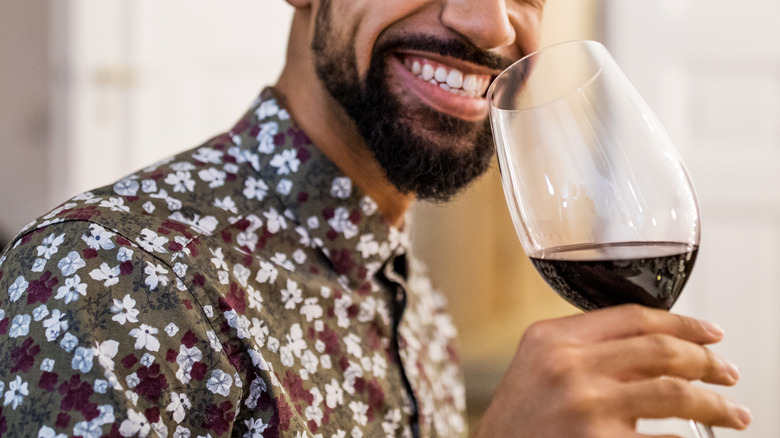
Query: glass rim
585	84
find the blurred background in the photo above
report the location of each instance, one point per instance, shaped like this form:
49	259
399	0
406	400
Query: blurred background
91	90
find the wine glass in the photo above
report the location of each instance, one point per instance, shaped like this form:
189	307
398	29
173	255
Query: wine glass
599	196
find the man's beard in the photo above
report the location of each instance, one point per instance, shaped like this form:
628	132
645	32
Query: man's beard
422	151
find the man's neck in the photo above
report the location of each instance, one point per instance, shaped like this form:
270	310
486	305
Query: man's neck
329	127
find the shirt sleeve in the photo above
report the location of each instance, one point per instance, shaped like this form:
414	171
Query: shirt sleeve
100	338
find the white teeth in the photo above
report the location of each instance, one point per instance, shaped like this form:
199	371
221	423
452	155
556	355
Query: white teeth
447	78
416	67
470	83
441	74
455	79
427	72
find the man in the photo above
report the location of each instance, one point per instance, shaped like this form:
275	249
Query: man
258	285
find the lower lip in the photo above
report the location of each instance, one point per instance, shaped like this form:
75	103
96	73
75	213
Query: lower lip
466	108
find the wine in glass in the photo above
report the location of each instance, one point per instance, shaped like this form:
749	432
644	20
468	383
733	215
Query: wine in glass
600	198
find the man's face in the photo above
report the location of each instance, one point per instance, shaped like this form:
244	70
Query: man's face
413	74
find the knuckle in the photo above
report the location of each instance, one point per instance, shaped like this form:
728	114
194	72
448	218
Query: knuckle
663	348
677	390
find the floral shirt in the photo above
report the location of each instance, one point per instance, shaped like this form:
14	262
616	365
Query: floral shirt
244	288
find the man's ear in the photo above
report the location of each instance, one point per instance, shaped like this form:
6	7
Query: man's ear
299	4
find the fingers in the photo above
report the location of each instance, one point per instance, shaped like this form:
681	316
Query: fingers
662	355
634	320
663	398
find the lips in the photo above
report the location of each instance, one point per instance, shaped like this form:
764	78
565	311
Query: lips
458	91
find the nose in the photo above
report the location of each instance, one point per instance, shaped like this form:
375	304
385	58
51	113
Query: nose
483	22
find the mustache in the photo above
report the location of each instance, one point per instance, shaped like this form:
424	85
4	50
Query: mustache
456	48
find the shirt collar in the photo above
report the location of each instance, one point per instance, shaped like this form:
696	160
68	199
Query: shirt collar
331	213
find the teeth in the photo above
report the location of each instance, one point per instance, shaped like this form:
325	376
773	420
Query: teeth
455	79
470	83
441	74
447	78
427	72
416	67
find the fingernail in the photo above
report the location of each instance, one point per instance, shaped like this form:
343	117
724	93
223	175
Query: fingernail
731	369
713	328
745	416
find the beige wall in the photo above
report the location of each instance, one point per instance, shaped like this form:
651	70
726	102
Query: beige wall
475	258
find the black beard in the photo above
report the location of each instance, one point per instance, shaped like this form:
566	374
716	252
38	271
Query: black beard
422	151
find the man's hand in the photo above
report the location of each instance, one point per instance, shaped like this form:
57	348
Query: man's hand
593	375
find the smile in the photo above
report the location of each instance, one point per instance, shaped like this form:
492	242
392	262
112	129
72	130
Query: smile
448	85
448	78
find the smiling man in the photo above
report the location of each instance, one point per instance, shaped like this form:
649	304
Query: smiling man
259	285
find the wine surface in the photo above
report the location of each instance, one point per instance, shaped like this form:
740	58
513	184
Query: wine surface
599	275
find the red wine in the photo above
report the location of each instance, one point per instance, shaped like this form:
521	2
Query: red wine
592	276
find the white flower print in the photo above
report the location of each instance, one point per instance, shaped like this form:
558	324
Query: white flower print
259	331
181	181
149	186
334	395
180	269
71	263
220	383
100	386
98	238
155	275
135	424
291	295
219	259
39	265
18	288
144	337
126	187
173	203
20	326
87	429
50	245
171	329
213	340
215	177
150	241
241	273
48	432
208	155
256	389
226	204
108	275
310	309
149	207
341	223
182	432
105	352
55	325
281	260
115	204
182	166
359	410
68	342
284	187
124	254
255	298
352	341
82	359
368	206
367	246
72	288
286	162
299	256
286	356
39	313
255	188
274	221
17	390
186	358
266	109
255	428
266	137
341	188
178	406
267	273
310	361
124	310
